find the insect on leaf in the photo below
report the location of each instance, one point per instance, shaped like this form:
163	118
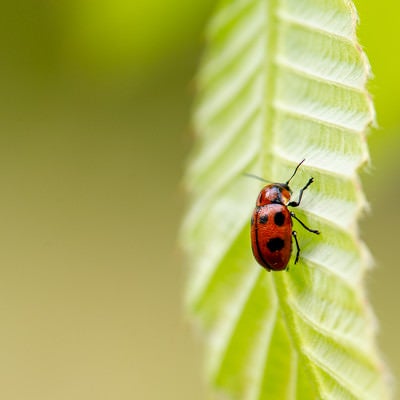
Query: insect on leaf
282	81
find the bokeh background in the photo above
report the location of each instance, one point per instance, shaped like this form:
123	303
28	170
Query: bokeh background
94	132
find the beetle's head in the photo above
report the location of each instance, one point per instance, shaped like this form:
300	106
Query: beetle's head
274	193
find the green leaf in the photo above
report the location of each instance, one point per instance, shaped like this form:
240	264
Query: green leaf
282	81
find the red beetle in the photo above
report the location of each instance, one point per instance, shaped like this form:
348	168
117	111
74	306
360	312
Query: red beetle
271	225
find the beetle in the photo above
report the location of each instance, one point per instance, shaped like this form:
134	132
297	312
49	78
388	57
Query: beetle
271	224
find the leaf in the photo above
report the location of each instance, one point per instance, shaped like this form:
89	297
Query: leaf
282	81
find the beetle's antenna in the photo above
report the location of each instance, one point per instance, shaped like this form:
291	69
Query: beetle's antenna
256	177
294	173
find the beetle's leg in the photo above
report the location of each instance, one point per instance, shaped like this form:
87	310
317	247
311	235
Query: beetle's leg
294	234
296	203
303	225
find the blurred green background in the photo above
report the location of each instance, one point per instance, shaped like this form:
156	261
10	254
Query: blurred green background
94	133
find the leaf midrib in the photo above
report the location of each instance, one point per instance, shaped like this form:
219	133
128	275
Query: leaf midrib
272	36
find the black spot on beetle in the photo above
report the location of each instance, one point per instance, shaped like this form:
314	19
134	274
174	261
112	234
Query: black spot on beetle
279	218
275	244
263	219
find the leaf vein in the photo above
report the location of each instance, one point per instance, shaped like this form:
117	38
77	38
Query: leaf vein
323	30
290	110
318	77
